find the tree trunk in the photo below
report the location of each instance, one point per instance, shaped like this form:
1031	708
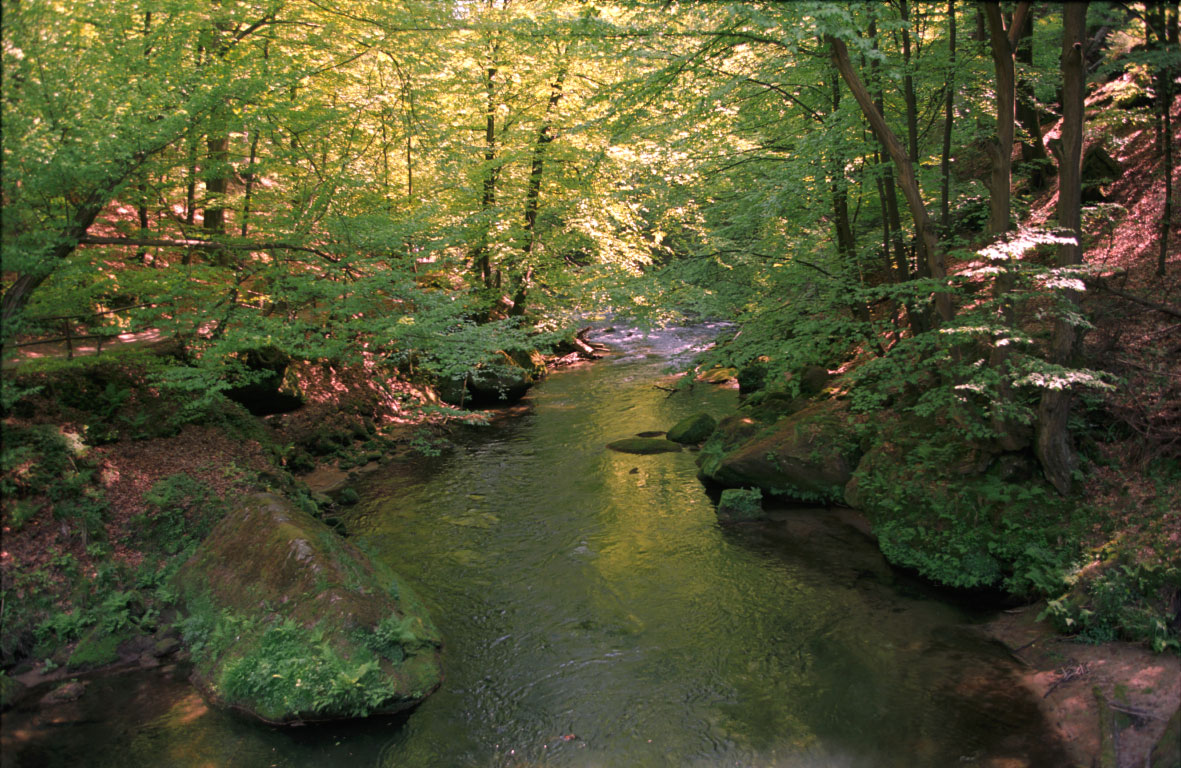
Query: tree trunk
481	258
1054	447
246	196
1033	149
1165	78
1010	435
948	122
84	214
908	95
927	238
1003	47
545	135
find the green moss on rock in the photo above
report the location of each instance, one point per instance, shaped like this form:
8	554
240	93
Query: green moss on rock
740	505
807	456
693	429
288	622
644	445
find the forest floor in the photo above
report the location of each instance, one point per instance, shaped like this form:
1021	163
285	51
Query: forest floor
1141	688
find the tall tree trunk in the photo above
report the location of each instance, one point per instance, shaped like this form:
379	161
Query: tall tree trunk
948	122
908	94
1009	434
545	135
1054	447
894	219
1003	44
1171	17
928	240
1033	149
247	194
481	258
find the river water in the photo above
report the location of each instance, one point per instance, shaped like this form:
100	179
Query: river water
596	614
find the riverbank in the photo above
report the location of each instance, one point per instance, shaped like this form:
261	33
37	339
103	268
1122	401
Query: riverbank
1111	703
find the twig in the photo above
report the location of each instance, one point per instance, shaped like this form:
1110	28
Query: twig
1133	711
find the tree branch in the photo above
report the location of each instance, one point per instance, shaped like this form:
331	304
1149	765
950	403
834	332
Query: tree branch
196	243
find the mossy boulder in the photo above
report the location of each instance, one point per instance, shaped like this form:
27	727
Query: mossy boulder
740	505
645	445
502	381
807	456
718	375
289	623
693	429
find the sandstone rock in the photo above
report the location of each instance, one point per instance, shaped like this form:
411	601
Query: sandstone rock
807	456
502	382
71	690
287	622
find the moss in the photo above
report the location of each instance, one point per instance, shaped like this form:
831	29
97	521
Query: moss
11	691
741	504
693	429
644	445
95	649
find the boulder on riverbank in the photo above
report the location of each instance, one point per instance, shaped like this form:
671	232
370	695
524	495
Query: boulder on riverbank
501	382
693	429
289	623
807	456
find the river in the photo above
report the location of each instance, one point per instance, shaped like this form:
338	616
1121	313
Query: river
596	614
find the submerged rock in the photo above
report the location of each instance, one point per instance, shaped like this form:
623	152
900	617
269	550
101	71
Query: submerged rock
693	429
287	622
644	445
808	456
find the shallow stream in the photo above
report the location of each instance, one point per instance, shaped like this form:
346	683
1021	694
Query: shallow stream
596	614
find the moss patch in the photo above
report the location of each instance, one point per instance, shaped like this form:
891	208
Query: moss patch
693	429
644	445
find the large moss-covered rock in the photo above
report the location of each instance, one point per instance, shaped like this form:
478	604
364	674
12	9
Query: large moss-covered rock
288	622
807	456
505	380
693	429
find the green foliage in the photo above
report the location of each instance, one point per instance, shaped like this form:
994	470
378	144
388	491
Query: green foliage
292	669
43	462
179	510
936	510
1123	601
